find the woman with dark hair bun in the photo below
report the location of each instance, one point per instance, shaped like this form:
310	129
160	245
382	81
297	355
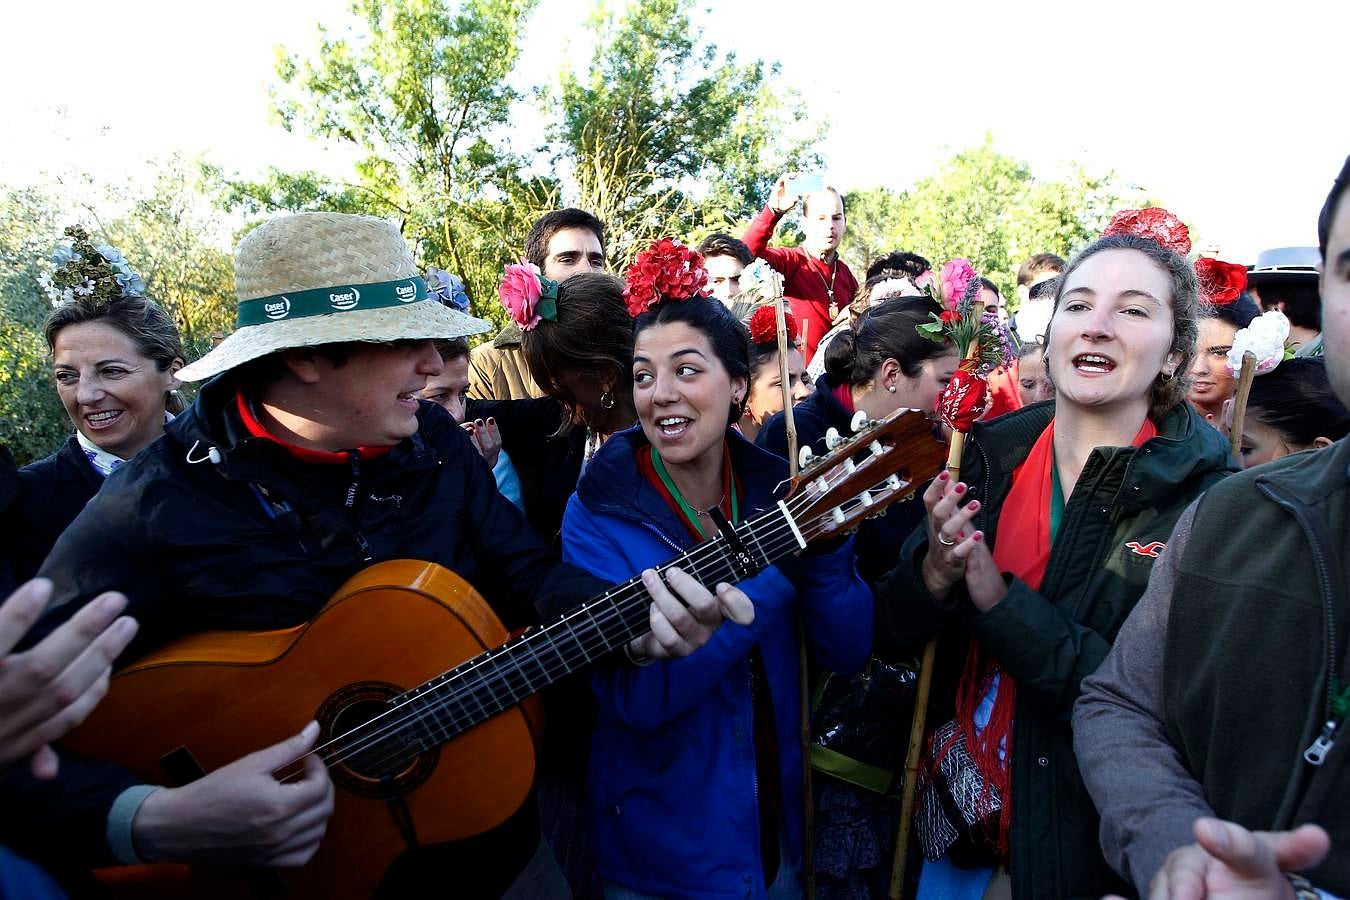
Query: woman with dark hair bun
114	357
878	367
580	354
695	780
1290	410
766	375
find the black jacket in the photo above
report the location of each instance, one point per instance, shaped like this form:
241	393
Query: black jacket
199	543
878	540
1050	640
52	491
549	464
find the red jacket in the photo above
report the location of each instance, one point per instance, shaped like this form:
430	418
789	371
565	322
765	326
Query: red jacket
806	280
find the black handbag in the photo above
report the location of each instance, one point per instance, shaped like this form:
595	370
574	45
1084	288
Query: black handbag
860	723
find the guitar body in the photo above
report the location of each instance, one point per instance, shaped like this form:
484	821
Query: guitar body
206	700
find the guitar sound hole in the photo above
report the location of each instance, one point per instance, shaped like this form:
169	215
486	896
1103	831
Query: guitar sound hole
378	758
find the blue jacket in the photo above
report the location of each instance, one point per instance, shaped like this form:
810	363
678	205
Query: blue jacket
672	791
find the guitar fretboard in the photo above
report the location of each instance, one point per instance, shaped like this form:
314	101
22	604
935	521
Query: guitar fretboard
486	685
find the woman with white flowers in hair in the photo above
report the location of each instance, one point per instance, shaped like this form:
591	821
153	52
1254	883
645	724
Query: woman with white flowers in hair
114	356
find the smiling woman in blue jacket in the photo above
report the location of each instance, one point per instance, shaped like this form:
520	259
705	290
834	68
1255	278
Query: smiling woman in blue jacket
695	784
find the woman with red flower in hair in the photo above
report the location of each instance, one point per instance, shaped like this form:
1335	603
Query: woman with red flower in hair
1224	311
766	375
1026	568
695	780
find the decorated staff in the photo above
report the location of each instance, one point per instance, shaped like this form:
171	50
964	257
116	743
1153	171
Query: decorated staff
983	343
1257	350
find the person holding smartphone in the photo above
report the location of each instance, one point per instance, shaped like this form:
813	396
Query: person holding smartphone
816	281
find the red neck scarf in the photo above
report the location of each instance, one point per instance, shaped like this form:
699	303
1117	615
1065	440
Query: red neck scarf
1023	547
844	394
304	454
1023	550
644	461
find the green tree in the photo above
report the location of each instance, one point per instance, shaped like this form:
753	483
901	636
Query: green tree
665	135
421	90
32	423
985	206
173	236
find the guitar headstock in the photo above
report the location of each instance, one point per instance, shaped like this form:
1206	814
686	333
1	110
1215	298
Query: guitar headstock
883	461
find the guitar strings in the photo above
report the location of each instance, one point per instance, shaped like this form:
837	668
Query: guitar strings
610	626
397	756
602	627
603	624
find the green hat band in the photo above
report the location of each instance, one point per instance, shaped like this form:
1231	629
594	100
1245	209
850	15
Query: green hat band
325	301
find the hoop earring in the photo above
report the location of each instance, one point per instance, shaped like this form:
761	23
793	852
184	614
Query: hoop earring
607	400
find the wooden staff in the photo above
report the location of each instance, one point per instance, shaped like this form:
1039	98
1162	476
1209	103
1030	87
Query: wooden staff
907	790
790	425
789	421
920	720
1244	391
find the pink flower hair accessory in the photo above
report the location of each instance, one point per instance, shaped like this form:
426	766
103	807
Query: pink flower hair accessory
667	270
528	297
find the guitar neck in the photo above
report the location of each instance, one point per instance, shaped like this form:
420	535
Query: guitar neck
479	688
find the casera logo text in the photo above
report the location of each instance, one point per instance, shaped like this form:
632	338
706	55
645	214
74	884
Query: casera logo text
277	309
345	299
406	293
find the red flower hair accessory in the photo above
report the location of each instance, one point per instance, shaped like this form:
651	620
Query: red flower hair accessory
1221	283
668	270
1155	224
764	326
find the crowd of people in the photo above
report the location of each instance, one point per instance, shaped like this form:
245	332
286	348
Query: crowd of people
1133	574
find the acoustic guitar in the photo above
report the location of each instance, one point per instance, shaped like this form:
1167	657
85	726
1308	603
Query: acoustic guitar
420	755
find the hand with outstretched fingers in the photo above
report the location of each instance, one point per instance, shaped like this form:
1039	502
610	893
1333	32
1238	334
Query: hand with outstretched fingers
47	690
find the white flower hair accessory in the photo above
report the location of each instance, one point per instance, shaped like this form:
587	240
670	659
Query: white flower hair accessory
1264	338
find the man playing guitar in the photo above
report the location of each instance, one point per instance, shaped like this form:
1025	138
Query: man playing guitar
305	459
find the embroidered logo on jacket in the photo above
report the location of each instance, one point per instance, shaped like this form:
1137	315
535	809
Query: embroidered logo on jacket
1151	549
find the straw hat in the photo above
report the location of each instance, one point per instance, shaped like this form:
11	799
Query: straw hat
326	278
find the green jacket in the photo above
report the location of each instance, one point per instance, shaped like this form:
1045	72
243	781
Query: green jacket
1260	620
1120	513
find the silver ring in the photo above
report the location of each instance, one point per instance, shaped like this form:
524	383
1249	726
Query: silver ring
942	539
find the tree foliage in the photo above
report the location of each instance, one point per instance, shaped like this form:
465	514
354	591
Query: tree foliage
987	207
665	135
420	89
165	231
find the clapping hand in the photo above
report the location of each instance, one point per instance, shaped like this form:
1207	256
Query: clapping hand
48	689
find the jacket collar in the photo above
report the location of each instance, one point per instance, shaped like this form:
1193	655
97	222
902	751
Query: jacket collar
213	423
612	484
1185	446
1311	477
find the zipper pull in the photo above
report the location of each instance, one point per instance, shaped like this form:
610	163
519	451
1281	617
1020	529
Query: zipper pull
1317	753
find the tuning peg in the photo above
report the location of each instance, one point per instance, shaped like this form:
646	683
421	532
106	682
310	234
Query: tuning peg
833	438
860	422
805	457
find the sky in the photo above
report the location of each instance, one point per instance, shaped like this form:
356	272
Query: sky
1233	114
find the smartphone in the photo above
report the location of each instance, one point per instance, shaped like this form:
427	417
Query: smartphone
801	185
